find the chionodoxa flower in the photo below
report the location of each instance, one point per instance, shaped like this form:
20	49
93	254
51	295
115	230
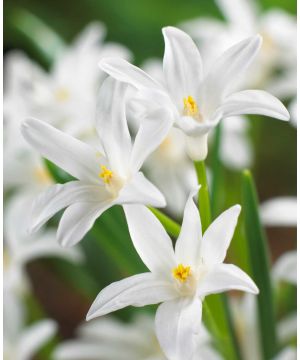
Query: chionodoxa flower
103	179
178	279
194	100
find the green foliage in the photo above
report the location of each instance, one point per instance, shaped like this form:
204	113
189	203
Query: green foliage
260	267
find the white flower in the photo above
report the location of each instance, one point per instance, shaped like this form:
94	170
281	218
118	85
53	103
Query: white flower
289	353
236	149
20	342
172	171
168	167
196	102
246	323
244	18
178	279
103	180
66	96
280	211
112	339
20	248
235	152
285	268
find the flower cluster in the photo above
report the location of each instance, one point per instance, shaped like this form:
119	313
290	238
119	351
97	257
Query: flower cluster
137	152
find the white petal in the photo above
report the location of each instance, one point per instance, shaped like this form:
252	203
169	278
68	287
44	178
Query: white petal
150	135
287	328
112	126
138	290
285	268
35	337
45	245
193	128
188	245
236	149
70	154
123	71
182	65
150	240
57	197
217	237
77	220
240	13
288	353
177	323
90	36
139	190
197	148
254	102
78	350
224	277
280	211
228	67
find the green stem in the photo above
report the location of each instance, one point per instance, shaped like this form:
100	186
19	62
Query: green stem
203	198
169	224
216	185
217	304
260	267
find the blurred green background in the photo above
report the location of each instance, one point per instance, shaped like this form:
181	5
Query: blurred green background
137	24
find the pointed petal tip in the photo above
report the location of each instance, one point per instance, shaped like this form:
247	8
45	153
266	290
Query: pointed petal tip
237	207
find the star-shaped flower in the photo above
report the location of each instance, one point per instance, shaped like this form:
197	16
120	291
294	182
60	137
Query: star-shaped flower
196	100
103	180
178	279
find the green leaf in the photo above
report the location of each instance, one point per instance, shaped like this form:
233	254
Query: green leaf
260	266
169	224
32	31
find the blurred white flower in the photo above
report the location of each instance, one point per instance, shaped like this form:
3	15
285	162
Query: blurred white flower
21	342
293	112
236	149
196	102
20	248
66	96
243	19
246	322
285	268
289	353
172	171
178	279
112	339
103	180
280	211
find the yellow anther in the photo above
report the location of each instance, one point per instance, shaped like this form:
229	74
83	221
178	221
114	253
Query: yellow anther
62	94
190	106
106	174
181	272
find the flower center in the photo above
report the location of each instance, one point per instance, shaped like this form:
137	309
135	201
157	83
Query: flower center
190	108
181	272
106	175
42	175
112	181
62	94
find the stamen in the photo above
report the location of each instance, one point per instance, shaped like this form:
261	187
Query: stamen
181	272
106	174
190	107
